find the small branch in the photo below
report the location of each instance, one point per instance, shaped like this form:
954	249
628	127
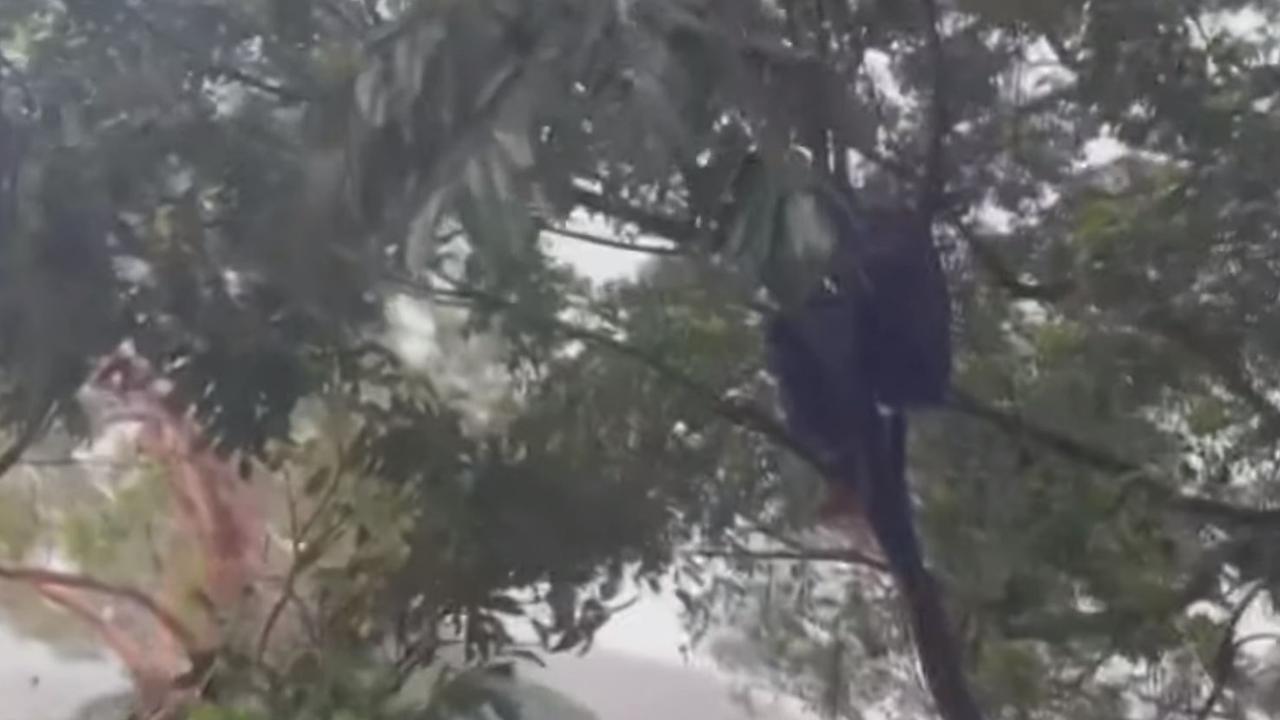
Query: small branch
795	546
1043	102
1005	277
286	590
846	556
678	231
614	244
301	558
261	84
1059	442
1224	660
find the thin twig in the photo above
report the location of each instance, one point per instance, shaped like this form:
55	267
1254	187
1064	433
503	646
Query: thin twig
677	230
301	558
611	243
1005	277
243	77
845	556
1224	660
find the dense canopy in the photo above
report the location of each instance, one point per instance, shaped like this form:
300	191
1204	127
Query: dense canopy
256	195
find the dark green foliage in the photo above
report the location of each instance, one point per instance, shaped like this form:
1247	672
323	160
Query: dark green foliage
281	169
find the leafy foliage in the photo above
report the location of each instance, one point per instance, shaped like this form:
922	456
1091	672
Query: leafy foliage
242	188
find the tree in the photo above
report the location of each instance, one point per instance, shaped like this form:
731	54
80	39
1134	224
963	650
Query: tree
241	188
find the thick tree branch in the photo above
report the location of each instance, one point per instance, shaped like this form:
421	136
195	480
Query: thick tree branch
171	622
1206	509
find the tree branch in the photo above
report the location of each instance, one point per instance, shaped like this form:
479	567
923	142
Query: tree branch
1003	275
1207	509
171	622
31	432
613	244
678	231
1226	365
846	556
751	417
302	552
1224	660
1059	442
278	90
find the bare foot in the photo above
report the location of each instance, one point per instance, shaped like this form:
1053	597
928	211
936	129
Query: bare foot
842	511
840	506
